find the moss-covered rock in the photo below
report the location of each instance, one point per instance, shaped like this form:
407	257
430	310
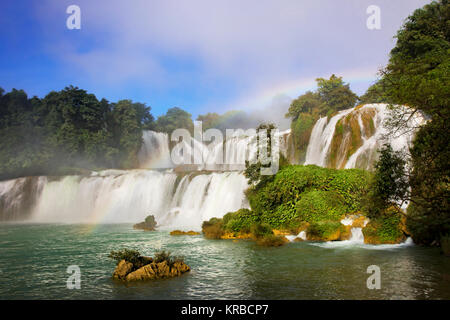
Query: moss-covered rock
387	229
325	231
138	268
184	233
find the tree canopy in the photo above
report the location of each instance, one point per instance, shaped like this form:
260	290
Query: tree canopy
66	129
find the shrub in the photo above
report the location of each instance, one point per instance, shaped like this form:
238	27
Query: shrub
239	221
213	229
384	229
161	256
260	230
324	230
129	255
320	205
308	193
271	240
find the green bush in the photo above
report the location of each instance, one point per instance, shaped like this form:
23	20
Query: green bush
239	221
161	256
323	229
271	241
213	229
384	229
261	230
129	255
317	205
310	193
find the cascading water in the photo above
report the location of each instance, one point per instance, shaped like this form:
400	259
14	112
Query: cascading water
129	196
321	137
356	235
155	152
372	133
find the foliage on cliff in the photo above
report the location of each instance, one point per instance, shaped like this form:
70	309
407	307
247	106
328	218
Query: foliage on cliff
418	75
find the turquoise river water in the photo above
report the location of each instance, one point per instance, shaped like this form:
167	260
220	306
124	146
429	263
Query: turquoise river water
34	260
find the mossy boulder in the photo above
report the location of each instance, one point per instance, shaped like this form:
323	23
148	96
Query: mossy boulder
386	229
326	231
147	268
184	233
272	240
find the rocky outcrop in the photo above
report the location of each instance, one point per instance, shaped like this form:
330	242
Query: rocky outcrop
126	271
122	269
184	233
148	225
159	270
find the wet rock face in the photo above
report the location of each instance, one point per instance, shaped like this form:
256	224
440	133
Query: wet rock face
122	269
152	271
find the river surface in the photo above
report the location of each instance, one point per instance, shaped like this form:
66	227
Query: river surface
34	259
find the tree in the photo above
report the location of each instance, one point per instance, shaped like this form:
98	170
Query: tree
417	75
335	94
175	118
306	103
209	120
66	130
389	188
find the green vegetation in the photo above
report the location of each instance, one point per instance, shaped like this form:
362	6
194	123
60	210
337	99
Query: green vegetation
384	229
161	256
69	131
389	185
296	198
175	118
417	75
129	255
325	230
149	224
308	194
139	261
213	229
69	128
253	170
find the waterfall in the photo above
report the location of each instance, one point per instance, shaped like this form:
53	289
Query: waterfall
366	155
155	152
321	137
356	235
227	155
371	131
129	196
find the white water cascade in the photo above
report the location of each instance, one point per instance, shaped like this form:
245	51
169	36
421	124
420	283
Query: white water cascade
227	155
155	152
356	235
321	137
129	196
323	132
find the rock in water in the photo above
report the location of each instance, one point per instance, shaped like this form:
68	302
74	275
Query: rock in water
122	269
148	225
157	271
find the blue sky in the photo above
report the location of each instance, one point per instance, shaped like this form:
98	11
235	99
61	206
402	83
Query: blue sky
200	55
